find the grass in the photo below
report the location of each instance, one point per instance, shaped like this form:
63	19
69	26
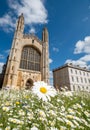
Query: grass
22	110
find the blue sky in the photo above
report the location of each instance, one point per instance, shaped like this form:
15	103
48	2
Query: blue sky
68	23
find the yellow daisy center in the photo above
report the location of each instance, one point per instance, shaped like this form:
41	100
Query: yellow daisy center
17	103
43	90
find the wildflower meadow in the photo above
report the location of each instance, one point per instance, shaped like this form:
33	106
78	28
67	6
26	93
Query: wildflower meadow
44	108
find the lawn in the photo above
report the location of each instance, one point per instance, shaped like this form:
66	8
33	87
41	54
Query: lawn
24	110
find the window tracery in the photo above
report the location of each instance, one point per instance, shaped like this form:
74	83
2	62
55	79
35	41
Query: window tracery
30	59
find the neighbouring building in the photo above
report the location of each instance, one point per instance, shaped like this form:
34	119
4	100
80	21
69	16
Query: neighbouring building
73	77
2	75
28	61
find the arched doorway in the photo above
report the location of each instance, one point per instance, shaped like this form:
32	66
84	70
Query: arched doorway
29	84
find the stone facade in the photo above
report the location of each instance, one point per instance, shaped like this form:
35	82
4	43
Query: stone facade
73	77
28	60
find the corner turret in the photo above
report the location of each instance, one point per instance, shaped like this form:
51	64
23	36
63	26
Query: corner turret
45	56
20	24
45	35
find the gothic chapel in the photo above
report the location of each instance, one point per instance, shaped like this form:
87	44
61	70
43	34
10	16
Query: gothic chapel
28	61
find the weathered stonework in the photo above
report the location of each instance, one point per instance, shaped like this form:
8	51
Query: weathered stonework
18	75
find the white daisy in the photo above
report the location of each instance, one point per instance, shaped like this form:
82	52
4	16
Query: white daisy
53	128
43	91
34	128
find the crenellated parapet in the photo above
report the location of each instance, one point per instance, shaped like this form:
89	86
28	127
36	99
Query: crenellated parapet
32	36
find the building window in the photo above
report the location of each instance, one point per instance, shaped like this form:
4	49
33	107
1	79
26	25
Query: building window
33	41
73	88
11	77
89	80
85	80
30	59
87	74
71	71
12	67
83	73
14	57
15	50
80	72
77	79
76	71
79	88
82	87
72	79
87	87
81	79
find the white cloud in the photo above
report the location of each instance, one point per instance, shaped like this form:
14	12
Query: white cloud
1	65
85	58
34	13
7	51
50	60
32	30
77	62
85	19
13	4
51	77
55	49
51	74
89	7
1	56
83	46
7	23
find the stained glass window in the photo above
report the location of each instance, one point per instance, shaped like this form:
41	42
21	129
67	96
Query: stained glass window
30	59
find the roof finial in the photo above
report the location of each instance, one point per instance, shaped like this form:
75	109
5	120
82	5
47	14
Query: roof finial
21	14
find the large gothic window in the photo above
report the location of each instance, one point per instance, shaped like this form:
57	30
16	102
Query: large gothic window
30	59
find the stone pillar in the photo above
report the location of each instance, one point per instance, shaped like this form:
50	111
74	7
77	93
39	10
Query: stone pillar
45	56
